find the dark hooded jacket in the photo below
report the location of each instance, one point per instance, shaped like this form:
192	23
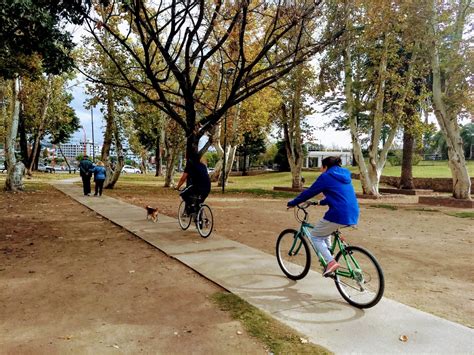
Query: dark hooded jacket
339	195
85	167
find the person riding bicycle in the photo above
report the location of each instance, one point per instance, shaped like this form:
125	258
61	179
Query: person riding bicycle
339	195
197	181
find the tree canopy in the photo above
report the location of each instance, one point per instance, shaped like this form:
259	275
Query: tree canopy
36	28
183	48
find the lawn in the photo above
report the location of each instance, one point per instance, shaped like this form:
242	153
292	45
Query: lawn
268	180
263	184
425	169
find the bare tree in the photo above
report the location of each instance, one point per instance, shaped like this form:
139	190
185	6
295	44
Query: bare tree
179	44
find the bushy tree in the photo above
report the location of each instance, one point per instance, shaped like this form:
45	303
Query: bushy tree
33	42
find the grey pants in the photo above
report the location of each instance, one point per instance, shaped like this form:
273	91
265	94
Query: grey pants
321	237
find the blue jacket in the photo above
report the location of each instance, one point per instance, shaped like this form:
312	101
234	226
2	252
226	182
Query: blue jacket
339	195
99	173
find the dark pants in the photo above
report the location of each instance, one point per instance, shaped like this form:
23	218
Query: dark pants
86	184
99	184
192	196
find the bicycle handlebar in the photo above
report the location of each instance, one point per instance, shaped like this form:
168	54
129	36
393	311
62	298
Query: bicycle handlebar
306	204
182	189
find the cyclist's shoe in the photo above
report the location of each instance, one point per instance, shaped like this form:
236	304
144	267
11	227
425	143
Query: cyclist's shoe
331	267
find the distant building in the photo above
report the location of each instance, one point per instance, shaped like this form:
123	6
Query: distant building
72	150
315	158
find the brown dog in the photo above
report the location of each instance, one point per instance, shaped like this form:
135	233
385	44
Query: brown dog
151	213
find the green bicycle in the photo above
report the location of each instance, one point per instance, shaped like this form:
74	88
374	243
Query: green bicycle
359	280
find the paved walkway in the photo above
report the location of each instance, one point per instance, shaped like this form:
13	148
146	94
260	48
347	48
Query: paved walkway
312	306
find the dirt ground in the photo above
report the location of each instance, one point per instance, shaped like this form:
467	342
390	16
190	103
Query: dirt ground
425	253
71	281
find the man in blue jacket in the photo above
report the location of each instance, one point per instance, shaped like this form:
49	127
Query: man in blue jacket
339	195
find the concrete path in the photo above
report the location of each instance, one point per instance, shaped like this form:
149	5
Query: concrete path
311	306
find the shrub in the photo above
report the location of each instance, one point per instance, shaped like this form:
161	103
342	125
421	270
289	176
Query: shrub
395	159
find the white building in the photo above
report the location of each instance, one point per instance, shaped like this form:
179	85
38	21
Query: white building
72	150
315	158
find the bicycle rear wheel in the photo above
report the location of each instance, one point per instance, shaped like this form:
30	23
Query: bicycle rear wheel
183	218
365	287
204	221
293	254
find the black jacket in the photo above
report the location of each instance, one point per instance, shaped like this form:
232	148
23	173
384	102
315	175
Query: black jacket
85	167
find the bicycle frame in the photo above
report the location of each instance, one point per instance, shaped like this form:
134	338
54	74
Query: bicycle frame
339	242
360	288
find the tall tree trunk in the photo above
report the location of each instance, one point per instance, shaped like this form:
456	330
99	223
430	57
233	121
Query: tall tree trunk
170	167
229	162
42	125
172	153
158	156
353	123
25	156
292	131
294	152
110	181
375	165
244	165
108	135
220	153
446	118
217	171
14	179
406	178
231	146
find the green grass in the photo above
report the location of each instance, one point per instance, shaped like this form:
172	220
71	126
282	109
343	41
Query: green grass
268	180
258	192
43	177
425	169
279	338
143	179
387	207
467	214
262	185
423	209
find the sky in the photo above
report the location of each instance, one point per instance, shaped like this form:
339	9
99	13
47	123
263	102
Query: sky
78	92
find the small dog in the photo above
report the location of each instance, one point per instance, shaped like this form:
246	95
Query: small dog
151	213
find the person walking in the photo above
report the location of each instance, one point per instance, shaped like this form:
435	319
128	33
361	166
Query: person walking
85	167
99	177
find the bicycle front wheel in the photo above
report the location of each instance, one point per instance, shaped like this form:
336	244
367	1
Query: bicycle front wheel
293	254
204	221
360	279
183	218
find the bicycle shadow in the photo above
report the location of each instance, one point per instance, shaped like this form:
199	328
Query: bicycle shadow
298	301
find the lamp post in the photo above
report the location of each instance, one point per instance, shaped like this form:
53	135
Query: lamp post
93	144
85	137
226	73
